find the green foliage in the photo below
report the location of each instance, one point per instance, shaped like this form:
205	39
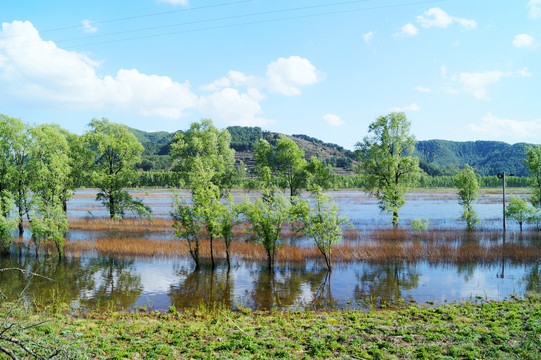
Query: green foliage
49	224
267	216
187	225
8	223
244	138
442	157
533	164
205	146
468	188
518	210
320	222
227	216
386	161
286	161
420	224
319	175
115	152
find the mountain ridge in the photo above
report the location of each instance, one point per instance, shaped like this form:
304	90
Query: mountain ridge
436	157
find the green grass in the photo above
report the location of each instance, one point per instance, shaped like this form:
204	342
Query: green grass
470	330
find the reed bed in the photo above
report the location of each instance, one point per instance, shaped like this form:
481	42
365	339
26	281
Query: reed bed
129	225
433	251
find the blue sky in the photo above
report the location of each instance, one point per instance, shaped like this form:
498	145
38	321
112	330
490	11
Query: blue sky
461	70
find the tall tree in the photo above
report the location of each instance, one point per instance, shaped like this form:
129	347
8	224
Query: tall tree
115	151
203	143
286	161
533	164
205	159
468	187
386	160
50	170
267	216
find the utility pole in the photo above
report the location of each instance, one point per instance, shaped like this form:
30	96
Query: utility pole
502	177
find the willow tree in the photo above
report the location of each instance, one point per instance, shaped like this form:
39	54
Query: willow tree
386	160
205	159
115	152
533	164
468	188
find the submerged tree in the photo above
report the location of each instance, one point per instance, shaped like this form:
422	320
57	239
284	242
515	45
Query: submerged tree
387	161
533	164
50	170
518	210
205	160
468	187
267	216
115	151
286	161
321	222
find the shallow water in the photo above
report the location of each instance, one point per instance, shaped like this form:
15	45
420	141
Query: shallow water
94	281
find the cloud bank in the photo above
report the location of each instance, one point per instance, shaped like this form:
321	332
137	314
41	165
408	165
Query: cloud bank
35	72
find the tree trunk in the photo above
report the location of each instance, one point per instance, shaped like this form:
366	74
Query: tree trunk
111	206
212	253
227	257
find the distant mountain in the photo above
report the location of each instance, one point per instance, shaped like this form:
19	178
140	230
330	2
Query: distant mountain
436	157
441	157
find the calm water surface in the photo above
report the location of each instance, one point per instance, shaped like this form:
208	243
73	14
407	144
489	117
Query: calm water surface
159	283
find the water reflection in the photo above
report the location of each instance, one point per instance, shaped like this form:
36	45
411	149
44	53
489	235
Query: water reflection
384	283
204	286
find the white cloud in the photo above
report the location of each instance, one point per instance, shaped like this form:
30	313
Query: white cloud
412	107
422	89
439	18
524	40
232	107
217	84
407	30
443	71
56	77
535	8
284	76
34	72
175	2
369	36
494	128
477	83
333	120
89	26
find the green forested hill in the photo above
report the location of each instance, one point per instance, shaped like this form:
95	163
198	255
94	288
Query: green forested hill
436	157
440	157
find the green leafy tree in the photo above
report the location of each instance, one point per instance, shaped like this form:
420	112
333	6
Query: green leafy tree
227	219
387	162
321	222
206	160
291	165
518	210
50	182
187	225
533	164
203	143
468	188
8	224
319	175
115	153
15	145
267	216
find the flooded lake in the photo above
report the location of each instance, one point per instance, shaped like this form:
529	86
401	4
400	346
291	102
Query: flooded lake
93	278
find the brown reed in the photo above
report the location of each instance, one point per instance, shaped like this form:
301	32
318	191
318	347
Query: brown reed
433	247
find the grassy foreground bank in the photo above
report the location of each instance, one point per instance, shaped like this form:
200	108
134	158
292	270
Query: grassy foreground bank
471	330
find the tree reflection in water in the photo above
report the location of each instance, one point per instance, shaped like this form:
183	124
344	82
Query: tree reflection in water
116	284
203	286
92	282
384	283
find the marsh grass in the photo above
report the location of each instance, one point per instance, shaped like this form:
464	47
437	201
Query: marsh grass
378	246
